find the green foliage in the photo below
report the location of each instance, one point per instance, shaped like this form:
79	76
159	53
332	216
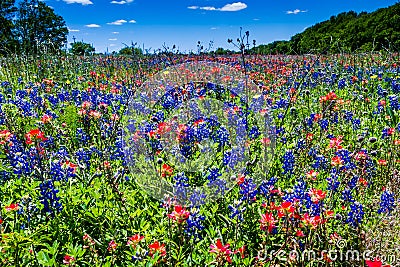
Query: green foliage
38	28
81	49
130	51
7	11
345	32
31	28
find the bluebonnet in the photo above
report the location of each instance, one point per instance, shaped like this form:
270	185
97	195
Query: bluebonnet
355	215
323	123
346	157
49	199
301	144
341	83
241	129
194	224
257	103
333	181
236	210
248	190
297	193
197	198
181	186
81	136
288	161
356	123
320	162
394	102
59	173
254	132
347	195
387	204
4	176
267	186
386	133
84	156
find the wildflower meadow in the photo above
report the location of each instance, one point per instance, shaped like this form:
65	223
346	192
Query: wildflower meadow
200	160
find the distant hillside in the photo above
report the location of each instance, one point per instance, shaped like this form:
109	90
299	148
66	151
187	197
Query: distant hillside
346	32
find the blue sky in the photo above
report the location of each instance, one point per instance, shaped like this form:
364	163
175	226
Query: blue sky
109	24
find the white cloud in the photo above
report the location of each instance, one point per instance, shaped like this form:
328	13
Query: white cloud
115	32
93	25
82	2
295	12
213	28
112	44
209	8
256	19
132	21
117	22
228	7
112	39
122	2
234	7
73	30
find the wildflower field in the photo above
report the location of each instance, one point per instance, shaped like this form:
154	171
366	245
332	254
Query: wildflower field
173	160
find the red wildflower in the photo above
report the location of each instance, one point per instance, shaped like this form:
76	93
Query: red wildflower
34	134
46	118
114	117
375	263
335	142
328	97
166	170
95	114
67	164
223	252
266	141
241	251
336	161
316	195
88	239
134	240
156	247
300	233
312	221
382	162
361	155
12	207
86	104
286	208
179	214
112	246
309	137
240	179
312	175
68	259
163	128
5	136
268	222
317	117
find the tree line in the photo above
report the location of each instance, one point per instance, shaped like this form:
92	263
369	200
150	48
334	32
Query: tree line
32	27
346	32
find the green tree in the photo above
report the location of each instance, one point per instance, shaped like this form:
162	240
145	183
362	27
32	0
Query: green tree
81	49
7	40
38	28
130	51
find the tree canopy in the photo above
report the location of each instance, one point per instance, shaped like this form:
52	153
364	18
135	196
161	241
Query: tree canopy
345	32
81	48
32	27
